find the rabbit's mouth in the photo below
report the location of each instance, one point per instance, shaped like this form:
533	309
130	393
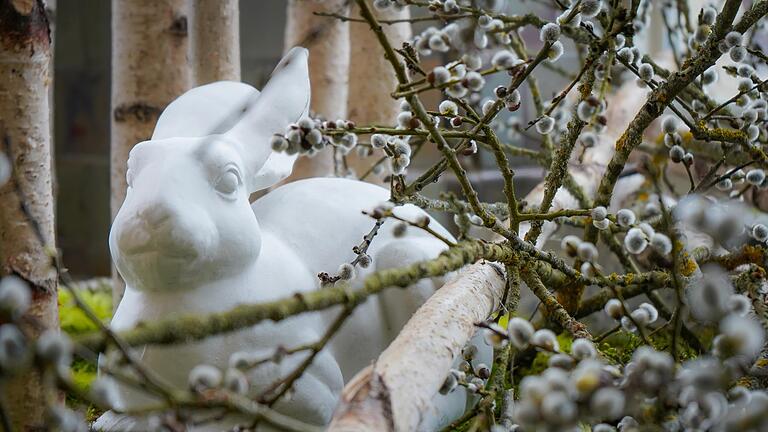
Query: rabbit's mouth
153	269
153	250
161	253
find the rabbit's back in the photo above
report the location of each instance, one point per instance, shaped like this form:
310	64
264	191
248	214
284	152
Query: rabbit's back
321	219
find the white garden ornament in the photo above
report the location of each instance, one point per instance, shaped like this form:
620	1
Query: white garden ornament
187	240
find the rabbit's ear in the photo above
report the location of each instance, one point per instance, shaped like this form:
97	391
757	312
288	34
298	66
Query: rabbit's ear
284	100
206	110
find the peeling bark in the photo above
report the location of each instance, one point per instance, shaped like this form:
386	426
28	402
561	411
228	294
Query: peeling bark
366	393
394	393
26	200
328	42
150	68
216	41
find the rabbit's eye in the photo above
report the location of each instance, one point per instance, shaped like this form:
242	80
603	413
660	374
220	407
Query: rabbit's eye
228	182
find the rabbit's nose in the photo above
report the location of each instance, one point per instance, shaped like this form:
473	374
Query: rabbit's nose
155	214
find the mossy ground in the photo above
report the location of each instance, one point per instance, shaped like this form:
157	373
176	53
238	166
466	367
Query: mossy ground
617	348
73	322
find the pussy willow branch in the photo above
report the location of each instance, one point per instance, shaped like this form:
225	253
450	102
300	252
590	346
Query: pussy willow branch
559	166
190	328
663	95
678	260
445	18
425	228
544	158
454	207
518	45
449	153
442	86
717	109
232	403
504	168
519	77
501	373
689	93
274	392
555	311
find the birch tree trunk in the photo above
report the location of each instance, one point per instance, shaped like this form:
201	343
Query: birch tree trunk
26	200
371	77
150	68
328	42
50	12
216	40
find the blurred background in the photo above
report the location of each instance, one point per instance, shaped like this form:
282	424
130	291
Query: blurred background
82	55
82	108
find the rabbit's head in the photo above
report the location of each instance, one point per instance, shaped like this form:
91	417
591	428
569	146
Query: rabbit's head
186	219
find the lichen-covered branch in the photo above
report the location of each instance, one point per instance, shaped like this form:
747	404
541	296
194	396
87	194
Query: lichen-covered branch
189	328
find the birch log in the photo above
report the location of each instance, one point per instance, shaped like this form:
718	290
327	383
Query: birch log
150	68
26	199
216	40
371	78
328	42
393	394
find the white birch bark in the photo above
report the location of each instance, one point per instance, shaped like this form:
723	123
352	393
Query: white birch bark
216	34
328	42
394	393
150	68
26	200
50	11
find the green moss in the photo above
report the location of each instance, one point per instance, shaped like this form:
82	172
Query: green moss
83	373
539	363
619	347
663	341
74	322
503	320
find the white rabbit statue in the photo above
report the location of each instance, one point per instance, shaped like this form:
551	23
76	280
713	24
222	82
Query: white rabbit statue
187	240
